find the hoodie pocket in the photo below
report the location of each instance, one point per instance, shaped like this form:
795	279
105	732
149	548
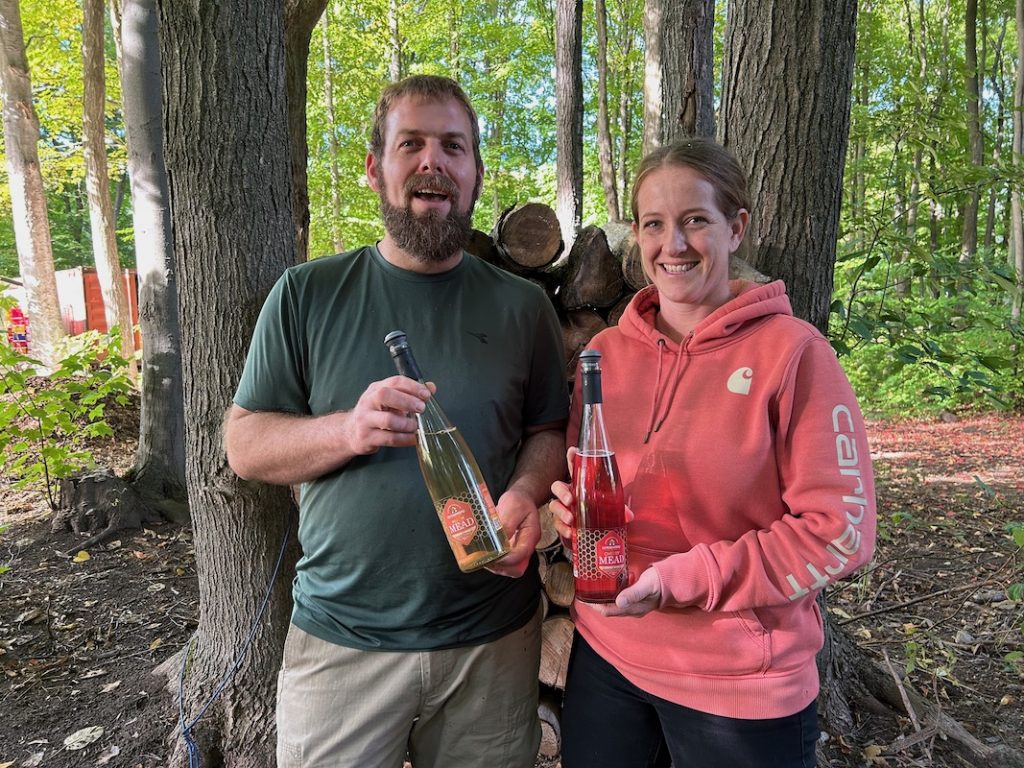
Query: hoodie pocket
693	641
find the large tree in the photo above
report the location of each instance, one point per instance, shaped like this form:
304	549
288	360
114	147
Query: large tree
678	77
159	470
101	211
230	185
786	114
28	196
569	111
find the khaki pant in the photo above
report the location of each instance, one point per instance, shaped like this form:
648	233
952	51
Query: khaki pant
472	707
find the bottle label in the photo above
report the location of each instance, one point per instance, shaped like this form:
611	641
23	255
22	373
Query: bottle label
600	553
459	520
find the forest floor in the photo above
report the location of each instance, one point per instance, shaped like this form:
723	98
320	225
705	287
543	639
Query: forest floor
80	637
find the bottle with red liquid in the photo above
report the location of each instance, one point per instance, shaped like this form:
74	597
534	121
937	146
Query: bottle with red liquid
599	536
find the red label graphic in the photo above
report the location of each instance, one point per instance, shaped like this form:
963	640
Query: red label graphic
459	521
610	553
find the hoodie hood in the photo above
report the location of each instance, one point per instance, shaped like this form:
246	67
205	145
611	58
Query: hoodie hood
750	303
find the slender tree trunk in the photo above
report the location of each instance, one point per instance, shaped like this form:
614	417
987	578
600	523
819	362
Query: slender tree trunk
28	196
230	185
626	124
159	471
569	117
792	142
604	133
332	136
998	85
969	237
1016	223
101	215
300	18
395	68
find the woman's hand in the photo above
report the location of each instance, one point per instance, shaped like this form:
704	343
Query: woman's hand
562	504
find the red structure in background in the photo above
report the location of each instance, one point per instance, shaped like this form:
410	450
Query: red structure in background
81	300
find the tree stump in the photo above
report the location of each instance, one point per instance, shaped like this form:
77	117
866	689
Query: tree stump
100	501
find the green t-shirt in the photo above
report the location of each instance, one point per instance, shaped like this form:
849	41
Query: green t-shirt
376	570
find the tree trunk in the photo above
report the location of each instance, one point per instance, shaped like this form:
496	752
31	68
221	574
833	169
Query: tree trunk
791	141
28	197
604	133
300	17
1016	223
159	471
332	136
230	184
569	117
101	214
395	68
969	238
678	78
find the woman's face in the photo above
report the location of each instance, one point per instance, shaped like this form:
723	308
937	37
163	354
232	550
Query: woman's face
685	239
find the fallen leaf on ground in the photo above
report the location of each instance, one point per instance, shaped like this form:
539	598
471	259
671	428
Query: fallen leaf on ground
109	754
83	737
81	557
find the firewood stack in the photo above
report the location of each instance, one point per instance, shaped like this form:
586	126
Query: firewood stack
589	288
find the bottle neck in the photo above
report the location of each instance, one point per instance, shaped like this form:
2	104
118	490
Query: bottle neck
593	438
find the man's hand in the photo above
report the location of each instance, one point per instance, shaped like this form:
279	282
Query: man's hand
521	521
382	417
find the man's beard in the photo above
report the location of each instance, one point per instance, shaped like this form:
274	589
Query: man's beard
429	237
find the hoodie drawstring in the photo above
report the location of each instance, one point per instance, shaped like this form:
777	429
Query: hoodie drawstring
674	376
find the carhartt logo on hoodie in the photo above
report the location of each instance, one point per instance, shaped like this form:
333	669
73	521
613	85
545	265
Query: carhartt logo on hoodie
739	381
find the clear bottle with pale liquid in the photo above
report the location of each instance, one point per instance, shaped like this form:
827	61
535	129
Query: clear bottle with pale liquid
453	479
599	534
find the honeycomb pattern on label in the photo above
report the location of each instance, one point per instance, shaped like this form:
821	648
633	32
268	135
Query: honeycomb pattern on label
478	512
585	561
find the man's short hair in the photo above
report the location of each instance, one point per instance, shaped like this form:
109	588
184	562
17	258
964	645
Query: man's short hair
431	88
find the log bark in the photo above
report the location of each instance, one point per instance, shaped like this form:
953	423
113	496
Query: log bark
558	582
100	503
578	328
556	642
528	235
549	711
593	277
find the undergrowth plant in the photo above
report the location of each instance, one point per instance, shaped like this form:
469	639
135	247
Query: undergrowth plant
47	421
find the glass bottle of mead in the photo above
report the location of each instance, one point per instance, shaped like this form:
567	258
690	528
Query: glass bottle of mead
599	535
452	476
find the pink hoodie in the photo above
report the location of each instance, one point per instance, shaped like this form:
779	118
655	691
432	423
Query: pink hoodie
745	461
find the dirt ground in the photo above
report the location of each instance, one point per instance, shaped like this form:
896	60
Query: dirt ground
79	637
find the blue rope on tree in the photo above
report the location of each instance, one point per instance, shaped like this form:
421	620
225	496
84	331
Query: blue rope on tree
194	760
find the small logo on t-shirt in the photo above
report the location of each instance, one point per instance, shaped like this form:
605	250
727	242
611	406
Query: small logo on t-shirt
481	337
739	381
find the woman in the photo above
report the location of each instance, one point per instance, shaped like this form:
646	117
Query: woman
745	463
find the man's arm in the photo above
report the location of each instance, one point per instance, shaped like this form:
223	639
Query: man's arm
540	463
286	449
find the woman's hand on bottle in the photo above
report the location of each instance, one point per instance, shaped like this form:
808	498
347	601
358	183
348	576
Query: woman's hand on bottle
521	521
638	599
562	503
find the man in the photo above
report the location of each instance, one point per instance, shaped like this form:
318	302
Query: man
391	647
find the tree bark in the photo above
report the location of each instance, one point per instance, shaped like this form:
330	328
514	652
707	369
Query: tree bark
1017	210
230	184
332	136
604	133
300	17
101	214
791	141
159	470
678	80
969	237
28	196
569	117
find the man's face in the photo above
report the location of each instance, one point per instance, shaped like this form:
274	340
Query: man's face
426	176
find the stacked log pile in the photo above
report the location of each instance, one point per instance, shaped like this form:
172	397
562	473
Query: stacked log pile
589	288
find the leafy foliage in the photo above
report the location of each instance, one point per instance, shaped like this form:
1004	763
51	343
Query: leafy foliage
45	422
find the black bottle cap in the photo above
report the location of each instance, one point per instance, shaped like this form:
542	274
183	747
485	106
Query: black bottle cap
398	346
591	372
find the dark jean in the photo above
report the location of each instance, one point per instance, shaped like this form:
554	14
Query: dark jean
607	722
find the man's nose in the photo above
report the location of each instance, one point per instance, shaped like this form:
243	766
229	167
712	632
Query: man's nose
431	158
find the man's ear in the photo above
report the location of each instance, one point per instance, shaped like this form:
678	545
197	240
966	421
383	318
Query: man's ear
371	172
